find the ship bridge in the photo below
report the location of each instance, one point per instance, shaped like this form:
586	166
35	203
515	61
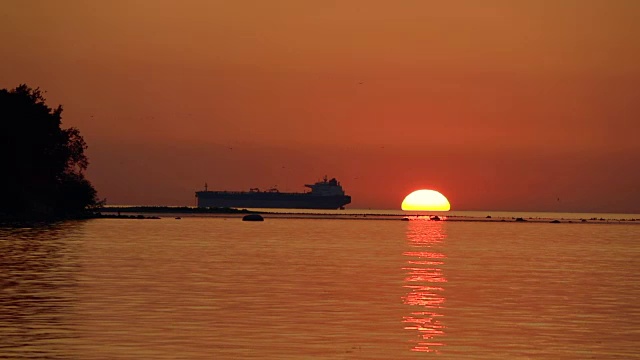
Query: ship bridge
326	188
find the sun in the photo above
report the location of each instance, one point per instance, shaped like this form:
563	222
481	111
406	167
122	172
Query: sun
430	200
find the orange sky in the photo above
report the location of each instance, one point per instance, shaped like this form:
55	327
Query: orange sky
500	105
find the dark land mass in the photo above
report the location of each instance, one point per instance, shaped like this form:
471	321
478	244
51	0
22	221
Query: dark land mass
43	163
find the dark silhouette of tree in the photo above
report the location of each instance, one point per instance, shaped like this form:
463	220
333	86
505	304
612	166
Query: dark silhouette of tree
42	164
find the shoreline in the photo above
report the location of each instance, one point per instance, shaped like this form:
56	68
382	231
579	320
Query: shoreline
177	212
137	211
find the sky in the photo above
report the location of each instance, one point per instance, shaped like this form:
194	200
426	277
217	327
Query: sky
528	105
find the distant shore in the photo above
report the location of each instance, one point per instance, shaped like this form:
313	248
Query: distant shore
172	210
139	212
177	212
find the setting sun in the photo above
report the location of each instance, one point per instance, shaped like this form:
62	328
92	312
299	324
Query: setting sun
426	200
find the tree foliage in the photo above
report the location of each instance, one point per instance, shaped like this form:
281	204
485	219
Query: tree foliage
43	164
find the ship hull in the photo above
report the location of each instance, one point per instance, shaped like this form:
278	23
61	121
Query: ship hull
270	200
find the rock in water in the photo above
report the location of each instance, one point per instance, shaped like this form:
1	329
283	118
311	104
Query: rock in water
252	217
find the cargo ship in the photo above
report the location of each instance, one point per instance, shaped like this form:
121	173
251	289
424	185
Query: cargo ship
325	194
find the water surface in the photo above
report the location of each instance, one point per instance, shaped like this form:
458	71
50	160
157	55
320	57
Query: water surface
217	287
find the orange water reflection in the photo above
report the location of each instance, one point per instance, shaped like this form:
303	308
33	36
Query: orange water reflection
424	281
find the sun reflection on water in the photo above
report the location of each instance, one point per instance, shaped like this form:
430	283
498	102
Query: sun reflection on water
424	281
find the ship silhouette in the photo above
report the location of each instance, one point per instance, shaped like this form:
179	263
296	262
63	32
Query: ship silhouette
325	194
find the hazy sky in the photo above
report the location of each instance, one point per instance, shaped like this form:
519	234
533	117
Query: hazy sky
500	105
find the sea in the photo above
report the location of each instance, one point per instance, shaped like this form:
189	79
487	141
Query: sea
352	284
